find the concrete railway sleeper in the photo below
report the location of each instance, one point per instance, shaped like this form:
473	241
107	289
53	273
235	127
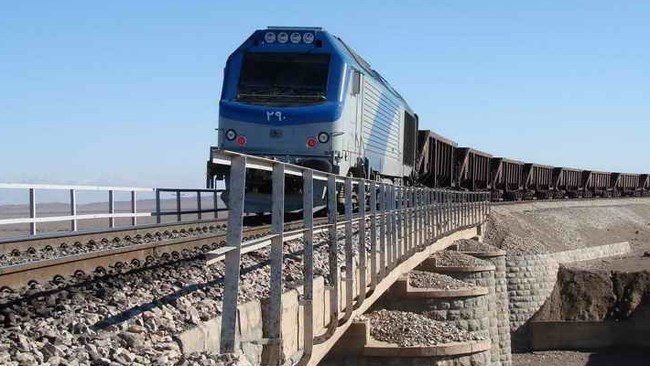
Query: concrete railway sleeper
409	219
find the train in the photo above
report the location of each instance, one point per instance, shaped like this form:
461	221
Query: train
301	95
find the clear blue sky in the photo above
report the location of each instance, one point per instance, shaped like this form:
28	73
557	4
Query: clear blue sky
126	92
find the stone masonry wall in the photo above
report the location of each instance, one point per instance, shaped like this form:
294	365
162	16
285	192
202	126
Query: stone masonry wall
485	278
531	279
502	305
469	313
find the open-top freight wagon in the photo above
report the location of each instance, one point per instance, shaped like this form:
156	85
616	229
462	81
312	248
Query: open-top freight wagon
567	182
507	179
435	161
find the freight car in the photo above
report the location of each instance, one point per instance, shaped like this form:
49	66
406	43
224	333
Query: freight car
302	95
538	181
644	184
597	184
435	160
567	182
506	179
472	169
625	185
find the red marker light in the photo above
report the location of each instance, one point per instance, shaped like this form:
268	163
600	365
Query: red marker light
312	142
241	140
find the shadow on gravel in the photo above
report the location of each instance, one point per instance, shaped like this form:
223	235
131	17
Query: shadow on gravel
619	358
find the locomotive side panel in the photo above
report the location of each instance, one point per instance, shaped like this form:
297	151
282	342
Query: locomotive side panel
382	130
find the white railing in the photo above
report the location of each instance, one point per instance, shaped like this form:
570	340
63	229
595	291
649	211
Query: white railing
74	216
401	220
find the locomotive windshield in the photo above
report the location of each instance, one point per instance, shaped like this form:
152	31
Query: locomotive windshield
283	79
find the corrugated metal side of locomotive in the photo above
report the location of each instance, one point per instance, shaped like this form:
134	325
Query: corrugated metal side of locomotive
472	169
435	160
387	133
597	184
625	185
507	179
567	182
538	181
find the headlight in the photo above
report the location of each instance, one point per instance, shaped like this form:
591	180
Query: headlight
308	37
269	37
323	137
283	37
231	135
295	37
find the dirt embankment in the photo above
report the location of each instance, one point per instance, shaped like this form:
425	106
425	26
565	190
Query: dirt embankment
554	226
597	295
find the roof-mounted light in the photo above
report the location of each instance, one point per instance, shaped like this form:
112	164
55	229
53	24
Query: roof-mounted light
283	37
269	37
296	37
308	37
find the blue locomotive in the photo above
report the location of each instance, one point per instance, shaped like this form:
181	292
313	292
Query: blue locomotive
301	95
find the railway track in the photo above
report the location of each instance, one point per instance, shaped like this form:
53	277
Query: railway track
31	260
57	257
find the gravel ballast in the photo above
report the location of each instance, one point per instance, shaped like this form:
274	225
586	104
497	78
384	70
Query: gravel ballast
132	317
450	258
425	279
472	245
409	329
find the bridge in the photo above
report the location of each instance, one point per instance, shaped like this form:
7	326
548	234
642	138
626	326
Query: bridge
303	290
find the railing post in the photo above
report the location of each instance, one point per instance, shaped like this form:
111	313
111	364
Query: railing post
215	204
158	213
349	254
448	223
394	222
463	200
400	224
178	206
361	196
373	235
198	205
383	222
134	207
32	211
233	257
415	219
73	210
308	268
334	269
276	258
111	209
436	213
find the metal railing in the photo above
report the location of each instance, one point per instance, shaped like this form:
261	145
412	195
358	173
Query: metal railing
74	216
179	212
400	221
